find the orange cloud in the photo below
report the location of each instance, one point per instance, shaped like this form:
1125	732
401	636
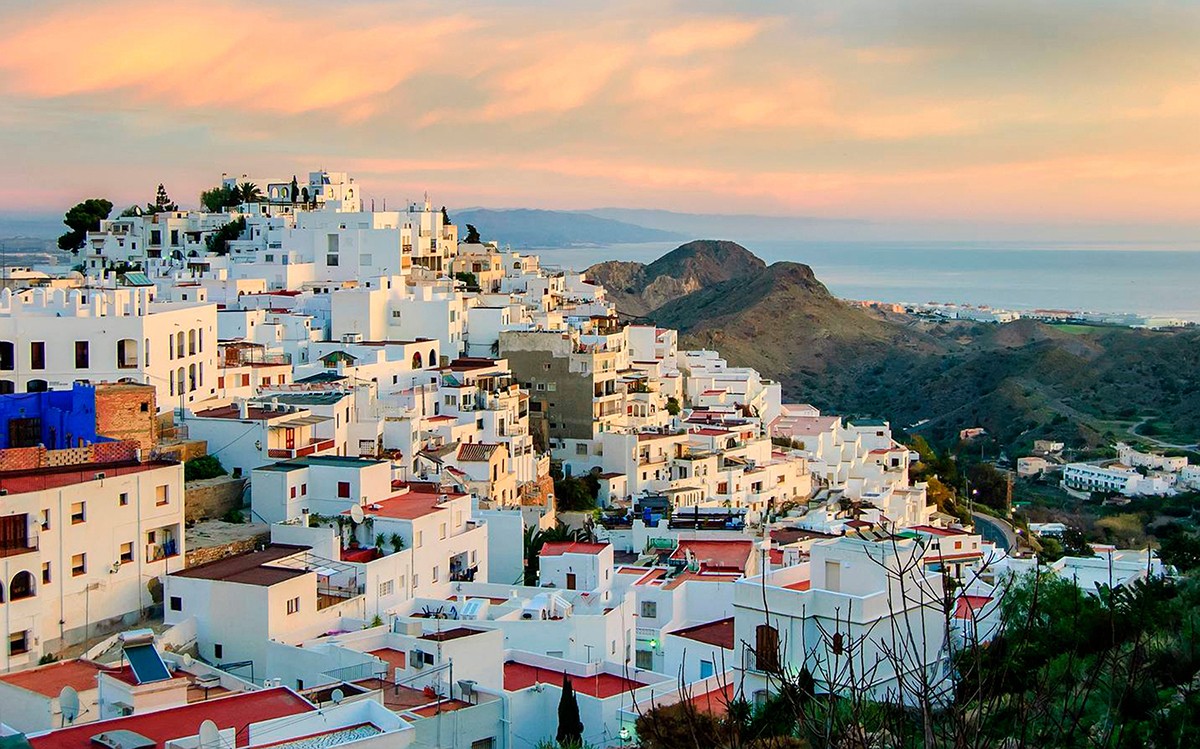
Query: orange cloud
218	55
703	35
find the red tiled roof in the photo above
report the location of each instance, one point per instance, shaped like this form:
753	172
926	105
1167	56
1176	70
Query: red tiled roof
518	676
719	633
48	681
476	452
407	506
707	432
236	711
937	531
716	702
708	577
555	548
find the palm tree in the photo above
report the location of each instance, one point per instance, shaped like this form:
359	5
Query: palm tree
249	192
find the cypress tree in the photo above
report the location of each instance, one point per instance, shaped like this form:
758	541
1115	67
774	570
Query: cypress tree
570	727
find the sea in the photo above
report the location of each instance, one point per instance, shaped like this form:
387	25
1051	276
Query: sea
1148	279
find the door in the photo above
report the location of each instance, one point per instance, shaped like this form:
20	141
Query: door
570	581
289	438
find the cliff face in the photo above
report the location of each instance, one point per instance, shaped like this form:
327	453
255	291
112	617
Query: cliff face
1021	381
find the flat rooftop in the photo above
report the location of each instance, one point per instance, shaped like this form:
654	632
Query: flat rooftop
518	676
49	680
236	711
451	634
251	568
37	479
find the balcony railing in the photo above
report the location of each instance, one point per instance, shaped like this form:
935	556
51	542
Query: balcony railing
16	547
315	446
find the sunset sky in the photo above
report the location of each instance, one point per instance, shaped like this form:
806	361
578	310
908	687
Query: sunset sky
1013	111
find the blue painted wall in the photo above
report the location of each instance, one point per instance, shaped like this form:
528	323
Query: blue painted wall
68	416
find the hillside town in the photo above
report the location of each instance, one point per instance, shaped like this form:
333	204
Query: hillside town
290	471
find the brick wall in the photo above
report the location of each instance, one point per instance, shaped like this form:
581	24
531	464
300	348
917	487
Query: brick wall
127	411
29	458
212	498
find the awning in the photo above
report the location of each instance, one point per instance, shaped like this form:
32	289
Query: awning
302	421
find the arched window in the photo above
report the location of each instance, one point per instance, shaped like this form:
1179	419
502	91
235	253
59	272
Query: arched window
7	386
416	360
191	342
179	345
37	386
191	377
432	358
127	354
179	380
21	586
8	355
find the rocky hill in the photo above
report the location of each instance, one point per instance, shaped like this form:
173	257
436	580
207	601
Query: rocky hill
638	289
1021	381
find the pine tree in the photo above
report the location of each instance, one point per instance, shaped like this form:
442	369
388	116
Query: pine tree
472	235
162	202
570	727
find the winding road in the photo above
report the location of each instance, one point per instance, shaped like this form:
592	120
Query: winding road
998	531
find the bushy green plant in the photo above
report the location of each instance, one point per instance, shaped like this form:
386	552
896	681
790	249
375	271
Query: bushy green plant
203	467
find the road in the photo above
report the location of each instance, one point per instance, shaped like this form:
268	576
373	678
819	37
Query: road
998	531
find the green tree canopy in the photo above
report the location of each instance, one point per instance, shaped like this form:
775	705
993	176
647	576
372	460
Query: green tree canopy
219	198
82	218
162	202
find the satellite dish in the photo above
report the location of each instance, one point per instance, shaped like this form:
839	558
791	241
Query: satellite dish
356	513
210	735
337	696
68	703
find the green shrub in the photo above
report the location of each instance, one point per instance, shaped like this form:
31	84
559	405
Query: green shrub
204	467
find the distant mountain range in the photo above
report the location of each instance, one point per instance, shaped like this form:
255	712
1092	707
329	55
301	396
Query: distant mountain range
536	229
1021	381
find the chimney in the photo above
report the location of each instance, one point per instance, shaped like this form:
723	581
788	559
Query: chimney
243	409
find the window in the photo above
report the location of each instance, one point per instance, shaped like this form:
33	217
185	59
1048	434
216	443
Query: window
435	573
386	587
644	659
78	565
123	499
37	355
331	260
343	489
650	609
82	357
162	494
176	603
488	743
416	578
766	649
78	513
7	355
127	357
293	605
18	642
245	380
126	552
303	489
218	650
191	342
46	576
45	520
418	540
581	448
442	531
292	492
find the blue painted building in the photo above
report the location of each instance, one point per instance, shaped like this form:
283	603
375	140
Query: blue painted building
57	419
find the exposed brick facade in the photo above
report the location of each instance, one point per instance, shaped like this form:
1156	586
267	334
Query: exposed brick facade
128	411
30	458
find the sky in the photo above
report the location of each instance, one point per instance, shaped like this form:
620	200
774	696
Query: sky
1034	111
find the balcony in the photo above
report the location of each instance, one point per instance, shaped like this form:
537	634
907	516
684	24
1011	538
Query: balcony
315	446
16	546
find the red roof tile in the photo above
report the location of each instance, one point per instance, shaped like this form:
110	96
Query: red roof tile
48	681
719	633
715	555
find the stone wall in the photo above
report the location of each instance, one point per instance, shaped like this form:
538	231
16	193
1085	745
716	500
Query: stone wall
183	451
206	554
212	498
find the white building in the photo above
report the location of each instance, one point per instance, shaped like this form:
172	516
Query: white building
110	334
